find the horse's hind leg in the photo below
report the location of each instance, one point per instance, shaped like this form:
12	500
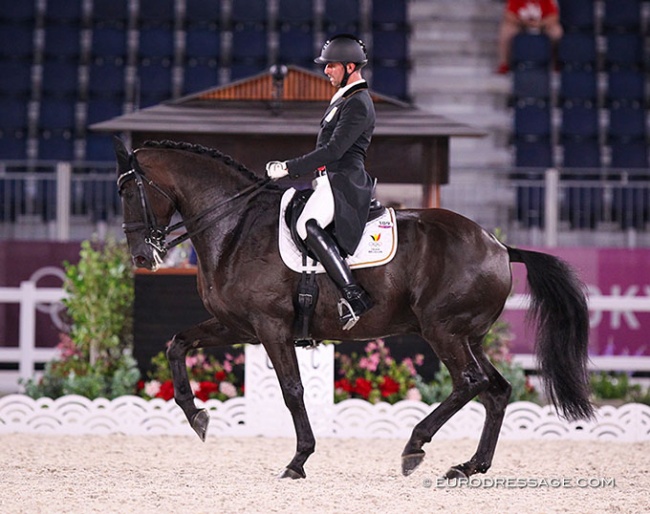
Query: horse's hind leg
468	380
207	334
495	400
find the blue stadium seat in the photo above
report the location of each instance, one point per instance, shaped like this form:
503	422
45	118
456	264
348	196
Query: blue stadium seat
201	13
99	147
531	152
102	109
341	16
156	42
627	121
626	86
577	15
624	51
577	48
156	13
110	13
390	80
390	46
153	84
109	41
580	119
14	12
199	75
60	78
13	113
249	44
249	13
63	12
57	113
630	204
244	69
389	14
55	145
582	205
530	50
532	118
296	46
531	83
622	15
62	42
578	83
203	42
16	42
106	78
13	145
295	13
16	78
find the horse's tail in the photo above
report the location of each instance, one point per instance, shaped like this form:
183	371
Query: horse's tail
559	308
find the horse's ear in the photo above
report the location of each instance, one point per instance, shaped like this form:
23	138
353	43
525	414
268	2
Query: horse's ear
122	155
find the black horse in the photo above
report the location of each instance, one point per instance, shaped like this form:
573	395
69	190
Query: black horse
448	282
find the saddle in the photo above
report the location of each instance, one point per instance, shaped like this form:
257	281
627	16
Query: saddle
297	205
373	251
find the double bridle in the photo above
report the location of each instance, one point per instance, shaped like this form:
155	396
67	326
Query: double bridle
156	233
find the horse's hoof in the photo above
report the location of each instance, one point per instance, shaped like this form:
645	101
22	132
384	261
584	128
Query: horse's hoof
411	461
290	473
455	472
200	423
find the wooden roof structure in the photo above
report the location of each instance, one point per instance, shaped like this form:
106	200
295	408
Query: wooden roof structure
274	116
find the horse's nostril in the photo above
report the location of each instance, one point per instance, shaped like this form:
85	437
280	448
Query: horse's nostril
140	261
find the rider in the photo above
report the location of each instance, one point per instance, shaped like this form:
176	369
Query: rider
342	187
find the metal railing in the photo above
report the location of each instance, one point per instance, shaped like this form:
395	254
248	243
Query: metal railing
554	207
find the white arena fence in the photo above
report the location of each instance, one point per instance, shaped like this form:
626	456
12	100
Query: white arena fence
262	413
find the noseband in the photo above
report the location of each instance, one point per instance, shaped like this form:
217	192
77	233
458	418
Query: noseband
156	233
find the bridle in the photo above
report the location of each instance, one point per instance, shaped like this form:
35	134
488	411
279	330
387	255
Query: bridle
156	233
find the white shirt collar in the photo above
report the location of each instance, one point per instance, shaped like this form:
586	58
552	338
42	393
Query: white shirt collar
342	90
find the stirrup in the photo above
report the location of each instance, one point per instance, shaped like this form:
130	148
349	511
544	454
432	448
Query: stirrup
344	304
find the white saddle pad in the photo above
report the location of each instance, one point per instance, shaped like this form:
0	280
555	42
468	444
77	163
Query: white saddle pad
377	247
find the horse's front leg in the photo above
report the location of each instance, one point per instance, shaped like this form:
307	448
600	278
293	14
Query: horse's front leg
210	333
285	362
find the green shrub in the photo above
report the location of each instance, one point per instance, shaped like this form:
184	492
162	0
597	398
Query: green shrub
95	357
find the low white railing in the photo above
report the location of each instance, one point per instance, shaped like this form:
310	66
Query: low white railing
29	297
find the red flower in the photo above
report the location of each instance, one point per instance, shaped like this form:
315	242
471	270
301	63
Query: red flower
205	389
140	385
362	387
388	386
166	390
220	376
343	384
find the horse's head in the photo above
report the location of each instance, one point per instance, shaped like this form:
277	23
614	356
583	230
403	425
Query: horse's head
147	209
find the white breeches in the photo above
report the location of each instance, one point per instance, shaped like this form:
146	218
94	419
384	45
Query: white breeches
319	207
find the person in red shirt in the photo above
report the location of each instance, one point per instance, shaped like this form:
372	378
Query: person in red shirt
531	15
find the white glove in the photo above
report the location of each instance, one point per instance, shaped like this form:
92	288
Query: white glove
276	169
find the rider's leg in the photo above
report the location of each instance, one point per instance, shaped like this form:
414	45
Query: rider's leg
318	213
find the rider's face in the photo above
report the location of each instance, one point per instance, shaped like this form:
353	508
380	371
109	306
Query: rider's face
335	72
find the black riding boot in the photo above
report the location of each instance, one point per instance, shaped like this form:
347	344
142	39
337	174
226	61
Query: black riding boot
355	301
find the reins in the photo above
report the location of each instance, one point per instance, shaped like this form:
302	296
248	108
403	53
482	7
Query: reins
157	233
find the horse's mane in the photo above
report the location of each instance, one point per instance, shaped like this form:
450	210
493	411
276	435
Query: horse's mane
203	150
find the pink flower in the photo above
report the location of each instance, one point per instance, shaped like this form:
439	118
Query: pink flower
413	394
408	364
228	389
152	388
369	363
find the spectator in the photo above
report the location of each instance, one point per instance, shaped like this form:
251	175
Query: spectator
534	16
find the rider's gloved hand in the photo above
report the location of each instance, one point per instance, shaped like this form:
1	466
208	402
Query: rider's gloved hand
276	170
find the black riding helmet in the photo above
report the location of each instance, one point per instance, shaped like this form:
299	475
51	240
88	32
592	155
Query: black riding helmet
344	48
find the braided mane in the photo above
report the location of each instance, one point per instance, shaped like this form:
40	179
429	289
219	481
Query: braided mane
203	150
